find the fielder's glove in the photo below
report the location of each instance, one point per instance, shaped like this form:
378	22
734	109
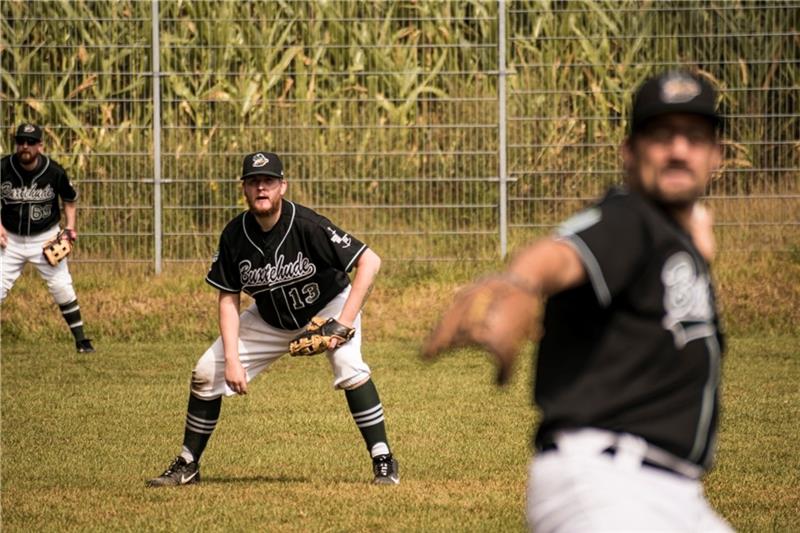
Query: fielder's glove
58	248
316	338
498	313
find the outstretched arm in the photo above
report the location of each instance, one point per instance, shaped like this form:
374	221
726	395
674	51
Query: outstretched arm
500	312
548	266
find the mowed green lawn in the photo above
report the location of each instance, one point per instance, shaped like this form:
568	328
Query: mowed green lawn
82	434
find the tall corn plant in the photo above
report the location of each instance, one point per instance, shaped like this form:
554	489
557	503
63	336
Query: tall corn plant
344	89
76	68
380	108
576	64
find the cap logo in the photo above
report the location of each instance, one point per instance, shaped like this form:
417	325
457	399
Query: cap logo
29	128
678	89
259	160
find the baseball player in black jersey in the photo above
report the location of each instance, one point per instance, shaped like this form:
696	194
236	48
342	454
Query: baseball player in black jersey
31	185
628	367
294	263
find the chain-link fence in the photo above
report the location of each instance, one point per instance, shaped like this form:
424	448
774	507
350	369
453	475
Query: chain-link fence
434	130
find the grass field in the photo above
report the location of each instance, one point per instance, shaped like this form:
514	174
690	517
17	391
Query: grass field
81	434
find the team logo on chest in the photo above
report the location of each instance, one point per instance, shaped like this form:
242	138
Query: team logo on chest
279	273
27	194
687	300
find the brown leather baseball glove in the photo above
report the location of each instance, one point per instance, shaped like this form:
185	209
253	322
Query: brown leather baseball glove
58	248
498	313
316	338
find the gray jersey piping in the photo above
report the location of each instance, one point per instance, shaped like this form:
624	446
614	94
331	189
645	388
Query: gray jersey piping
707	408
220	287
275	306
244	228
358	254
288	306
291	223
277	249
37	176
592	267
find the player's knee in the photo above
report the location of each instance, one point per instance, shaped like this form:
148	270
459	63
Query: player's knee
353	382
62	294
203	377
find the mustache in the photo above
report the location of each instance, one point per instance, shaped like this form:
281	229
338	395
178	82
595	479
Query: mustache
677	164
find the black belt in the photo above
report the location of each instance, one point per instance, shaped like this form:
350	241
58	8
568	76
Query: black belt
549	446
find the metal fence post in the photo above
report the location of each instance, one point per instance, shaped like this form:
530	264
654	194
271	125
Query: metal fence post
156	51
501	125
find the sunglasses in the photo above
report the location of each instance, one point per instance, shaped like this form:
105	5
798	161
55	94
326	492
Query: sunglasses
24	140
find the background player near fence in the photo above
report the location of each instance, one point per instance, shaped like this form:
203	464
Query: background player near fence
628	367
294	263
32	184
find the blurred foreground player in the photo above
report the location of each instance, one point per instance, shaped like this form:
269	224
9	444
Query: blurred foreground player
628	366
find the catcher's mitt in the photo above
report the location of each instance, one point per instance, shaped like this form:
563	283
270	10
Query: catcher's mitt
499	313
316	338
56	249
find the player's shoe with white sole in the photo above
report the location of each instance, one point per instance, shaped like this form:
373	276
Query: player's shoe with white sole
178	473
84	346
386	469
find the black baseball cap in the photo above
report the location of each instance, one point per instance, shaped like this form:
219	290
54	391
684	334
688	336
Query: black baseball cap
262	163
674	92
29	131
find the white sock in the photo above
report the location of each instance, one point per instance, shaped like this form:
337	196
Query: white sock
187	455
380	448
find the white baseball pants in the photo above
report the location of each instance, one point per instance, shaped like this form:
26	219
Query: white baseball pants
260	345
578	488
20	250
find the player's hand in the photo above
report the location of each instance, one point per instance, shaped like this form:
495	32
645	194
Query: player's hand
701	229
497	313
334	342
3	237
235	376
71	234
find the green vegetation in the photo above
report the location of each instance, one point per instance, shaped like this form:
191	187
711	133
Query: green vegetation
758	294
82	434
387	112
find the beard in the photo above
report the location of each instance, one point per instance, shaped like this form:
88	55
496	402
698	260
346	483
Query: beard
26	158
660	191
263	212
677	198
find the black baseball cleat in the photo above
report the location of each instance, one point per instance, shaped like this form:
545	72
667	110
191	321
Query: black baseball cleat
387	471
178	473
84	346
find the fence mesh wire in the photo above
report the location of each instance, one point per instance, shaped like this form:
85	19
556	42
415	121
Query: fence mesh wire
387	114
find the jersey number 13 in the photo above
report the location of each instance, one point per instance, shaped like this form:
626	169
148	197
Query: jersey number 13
310	293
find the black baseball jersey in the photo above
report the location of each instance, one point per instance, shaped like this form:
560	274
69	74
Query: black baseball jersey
292	271
636	348
30	202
